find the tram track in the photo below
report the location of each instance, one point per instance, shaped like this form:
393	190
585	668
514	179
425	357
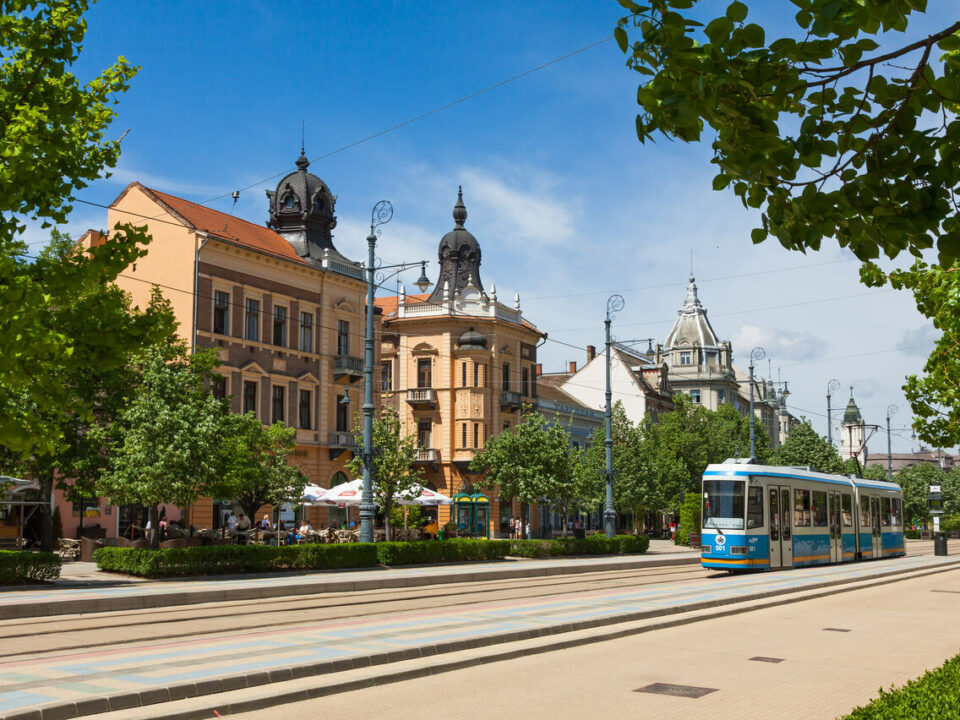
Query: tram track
78	632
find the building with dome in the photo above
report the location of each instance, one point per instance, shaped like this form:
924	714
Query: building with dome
458	364
281	306
853	433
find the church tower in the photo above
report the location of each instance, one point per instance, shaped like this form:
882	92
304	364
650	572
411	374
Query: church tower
853	433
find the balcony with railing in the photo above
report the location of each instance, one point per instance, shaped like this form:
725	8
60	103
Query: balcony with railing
342	439
347	368
510	400
422	397
429	456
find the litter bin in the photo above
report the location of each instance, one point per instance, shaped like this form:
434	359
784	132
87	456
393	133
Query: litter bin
940	543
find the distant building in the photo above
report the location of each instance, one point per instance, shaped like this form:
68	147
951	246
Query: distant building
635	382
899	461
853	433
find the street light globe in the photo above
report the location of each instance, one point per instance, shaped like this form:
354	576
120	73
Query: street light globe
423	282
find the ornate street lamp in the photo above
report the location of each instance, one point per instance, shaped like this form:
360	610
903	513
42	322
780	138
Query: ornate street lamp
381	214
758	353
615	303
832	386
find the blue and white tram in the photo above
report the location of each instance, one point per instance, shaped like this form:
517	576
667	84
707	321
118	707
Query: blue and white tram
763	517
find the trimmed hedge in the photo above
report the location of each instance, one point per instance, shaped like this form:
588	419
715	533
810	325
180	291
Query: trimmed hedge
597	544
433	551
220	559
934	695
17	567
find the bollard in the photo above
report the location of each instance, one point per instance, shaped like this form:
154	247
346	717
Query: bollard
940	543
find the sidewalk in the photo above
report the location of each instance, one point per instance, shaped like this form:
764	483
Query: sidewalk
119	678
82	588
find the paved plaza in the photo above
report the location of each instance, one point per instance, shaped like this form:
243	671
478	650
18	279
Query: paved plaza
126	674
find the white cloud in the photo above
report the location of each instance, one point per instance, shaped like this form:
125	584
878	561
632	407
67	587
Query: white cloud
780	344
919	342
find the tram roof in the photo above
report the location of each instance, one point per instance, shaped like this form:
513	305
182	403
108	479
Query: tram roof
739	469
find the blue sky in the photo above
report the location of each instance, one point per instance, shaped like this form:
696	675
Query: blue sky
567	205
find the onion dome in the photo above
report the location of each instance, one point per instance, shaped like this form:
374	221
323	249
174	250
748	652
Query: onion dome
692	326
302	210
459	256
472	340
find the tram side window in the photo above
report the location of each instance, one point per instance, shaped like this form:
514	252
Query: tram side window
754	507
801	508
846	510
819	509
897	511
864	511
887	513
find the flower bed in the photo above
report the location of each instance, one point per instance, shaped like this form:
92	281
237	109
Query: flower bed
27	567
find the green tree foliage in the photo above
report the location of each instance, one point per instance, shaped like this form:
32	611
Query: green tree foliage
393	456
170	444
822	130
533	462
935	395
805	447
630	489
53	143
257	472
96	377
916	481
678	446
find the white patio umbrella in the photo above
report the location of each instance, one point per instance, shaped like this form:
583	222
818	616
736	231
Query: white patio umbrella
425	497
312	494
348	493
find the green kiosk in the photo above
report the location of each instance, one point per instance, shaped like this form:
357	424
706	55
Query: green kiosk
472	513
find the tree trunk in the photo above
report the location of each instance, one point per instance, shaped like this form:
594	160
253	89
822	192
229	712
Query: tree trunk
154	535
46	516
563	520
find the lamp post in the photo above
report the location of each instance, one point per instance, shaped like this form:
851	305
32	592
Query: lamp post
381	214
832	386
758	353
615	303
891	409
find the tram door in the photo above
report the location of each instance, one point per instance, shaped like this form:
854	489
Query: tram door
781	538
876	528
836	528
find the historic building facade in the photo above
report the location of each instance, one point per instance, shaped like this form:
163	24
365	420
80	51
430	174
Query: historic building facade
458	365
282	308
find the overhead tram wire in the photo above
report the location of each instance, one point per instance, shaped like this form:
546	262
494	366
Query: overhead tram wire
424	115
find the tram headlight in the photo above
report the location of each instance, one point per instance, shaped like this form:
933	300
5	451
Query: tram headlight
738	550
705	548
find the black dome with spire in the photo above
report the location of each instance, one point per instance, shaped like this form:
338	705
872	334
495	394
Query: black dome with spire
459	255
302	210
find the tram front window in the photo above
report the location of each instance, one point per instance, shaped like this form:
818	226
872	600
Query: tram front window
723	504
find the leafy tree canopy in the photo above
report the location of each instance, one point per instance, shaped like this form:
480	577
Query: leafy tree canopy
533	462
52	143
393	469
824	130
167	447
257	472
916	482
805	446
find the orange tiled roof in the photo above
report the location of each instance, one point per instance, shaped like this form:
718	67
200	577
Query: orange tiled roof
388	304
222	225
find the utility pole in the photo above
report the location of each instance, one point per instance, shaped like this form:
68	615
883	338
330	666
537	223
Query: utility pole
832	385
758	353
891	409
615	303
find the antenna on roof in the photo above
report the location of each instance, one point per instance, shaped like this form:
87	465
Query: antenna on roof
303	125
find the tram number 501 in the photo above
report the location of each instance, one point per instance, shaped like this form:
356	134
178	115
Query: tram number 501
720	541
